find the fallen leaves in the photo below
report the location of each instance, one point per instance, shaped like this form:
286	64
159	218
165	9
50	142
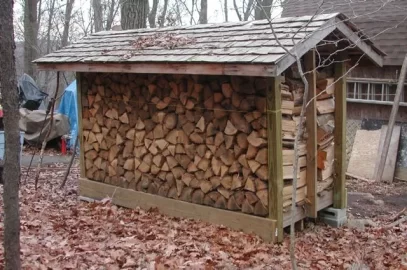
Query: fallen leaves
162	40
60	232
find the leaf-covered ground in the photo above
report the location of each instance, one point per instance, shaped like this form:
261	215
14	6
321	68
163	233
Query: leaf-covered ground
60	232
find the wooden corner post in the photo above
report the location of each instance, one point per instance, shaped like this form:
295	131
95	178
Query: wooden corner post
311	126
339	190
275	156
80	128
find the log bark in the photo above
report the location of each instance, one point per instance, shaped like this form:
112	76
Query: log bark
11	169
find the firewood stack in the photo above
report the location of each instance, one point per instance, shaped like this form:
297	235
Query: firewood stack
197	139
292	94
325	129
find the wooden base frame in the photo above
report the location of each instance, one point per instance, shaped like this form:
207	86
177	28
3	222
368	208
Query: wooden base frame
323	200
132	199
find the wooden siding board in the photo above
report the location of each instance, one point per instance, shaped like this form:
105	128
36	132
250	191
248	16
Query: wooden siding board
176	208
260	70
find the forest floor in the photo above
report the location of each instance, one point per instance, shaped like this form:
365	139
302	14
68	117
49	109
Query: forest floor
60	232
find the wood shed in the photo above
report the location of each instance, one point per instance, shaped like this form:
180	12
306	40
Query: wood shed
199	121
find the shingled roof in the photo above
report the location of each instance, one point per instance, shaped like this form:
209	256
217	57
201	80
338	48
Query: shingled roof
383	20
226	43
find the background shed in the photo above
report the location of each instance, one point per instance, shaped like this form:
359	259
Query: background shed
371	88
189	117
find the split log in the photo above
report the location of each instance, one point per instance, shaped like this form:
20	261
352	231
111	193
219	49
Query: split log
230	129
239	122
170	121
250	186
255	140
227	90
201	124
261	156
325	106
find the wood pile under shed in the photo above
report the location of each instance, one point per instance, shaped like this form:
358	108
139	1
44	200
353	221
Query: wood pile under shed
325	133
200	139
292	93
194	138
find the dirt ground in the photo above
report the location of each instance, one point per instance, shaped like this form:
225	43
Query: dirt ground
60	232
376	199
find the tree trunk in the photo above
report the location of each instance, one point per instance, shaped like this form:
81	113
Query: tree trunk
161	19
226	10
111	14
203	14
30	36
153	14
11	172
237	10
263	9
248	10
134	14
97	15
68	15
51	12
192	12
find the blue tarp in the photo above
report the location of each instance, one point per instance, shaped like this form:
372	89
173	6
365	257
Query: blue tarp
69	107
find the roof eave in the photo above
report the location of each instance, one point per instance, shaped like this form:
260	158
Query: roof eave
232	69
371	51
303	47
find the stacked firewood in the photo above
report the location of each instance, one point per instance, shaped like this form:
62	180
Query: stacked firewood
325	137
292	94
193	138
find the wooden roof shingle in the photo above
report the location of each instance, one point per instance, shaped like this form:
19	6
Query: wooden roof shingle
238	43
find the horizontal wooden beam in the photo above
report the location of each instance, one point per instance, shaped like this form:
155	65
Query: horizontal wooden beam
165	68
132	199
324	200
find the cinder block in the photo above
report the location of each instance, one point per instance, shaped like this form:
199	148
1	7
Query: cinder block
333	217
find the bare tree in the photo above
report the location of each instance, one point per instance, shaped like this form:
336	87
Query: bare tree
51	13
192	12
134	14
97	15
246	10
182	7
30	36
153	14
67	21
161	19
225	8
203	13
111	13
11	173
263	9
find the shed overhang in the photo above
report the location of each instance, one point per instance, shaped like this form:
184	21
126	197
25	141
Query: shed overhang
255	48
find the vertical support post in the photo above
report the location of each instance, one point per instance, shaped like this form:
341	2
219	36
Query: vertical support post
311	126
80	128
275	155
339	189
